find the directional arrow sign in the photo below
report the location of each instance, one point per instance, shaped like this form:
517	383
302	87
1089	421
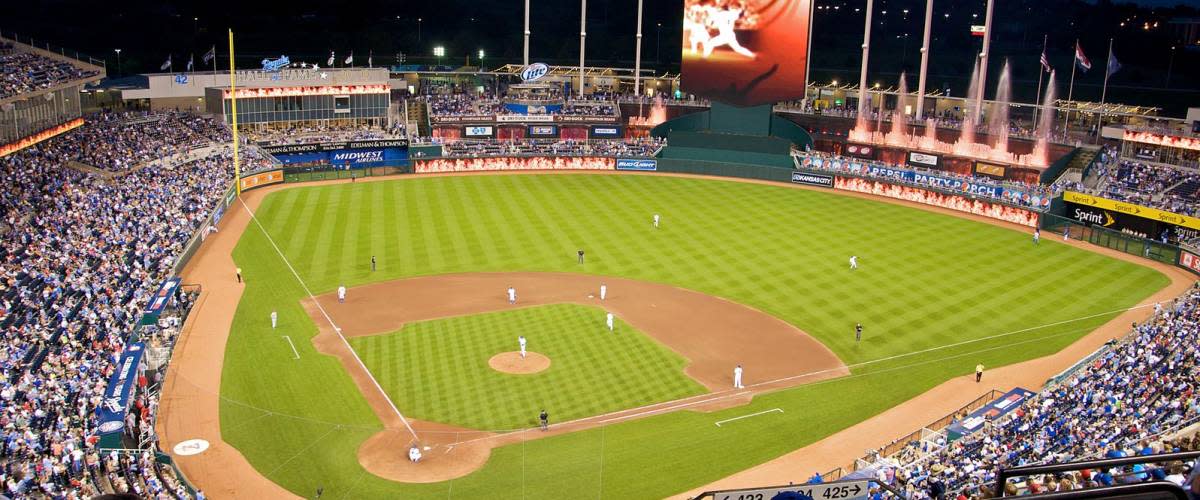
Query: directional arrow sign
846	490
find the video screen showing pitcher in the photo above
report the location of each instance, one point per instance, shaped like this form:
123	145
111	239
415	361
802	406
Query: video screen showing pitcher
745	52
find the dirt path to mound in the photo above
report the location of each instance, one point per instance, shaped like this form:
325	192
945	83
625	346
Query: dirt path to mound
713	334
190	402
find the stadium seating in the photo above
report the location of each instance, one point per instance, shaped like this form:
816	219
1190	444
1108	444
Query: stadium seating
630	148
22	72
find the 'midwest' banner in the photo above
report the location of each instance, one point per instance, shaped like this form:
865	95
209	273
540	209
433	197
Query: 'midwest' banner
1132	209
111	413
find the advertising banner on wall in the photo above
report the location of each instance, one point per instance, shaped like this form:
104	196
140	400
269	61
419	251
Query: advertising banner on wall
261	179
158	302
1189	261
811	179
524	118
951	201
861	151
745	53
919	159
516	163
333	146
479	131
605	131
641	165
1132	209
463	119
543	131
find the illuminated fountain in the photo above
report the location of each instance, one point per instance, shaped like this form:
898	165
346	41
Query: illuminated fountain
965	145
658	114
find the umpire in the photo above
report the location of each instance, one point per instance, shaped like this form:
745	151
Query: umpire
544	418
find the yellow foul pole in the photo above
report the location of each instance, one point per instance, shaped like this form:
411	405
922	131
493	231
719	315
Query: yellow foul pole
237	167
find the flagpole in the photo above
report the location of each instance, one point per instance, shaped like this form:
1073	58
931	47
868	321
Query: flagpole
237	167
1037	101
1071	89
1107	72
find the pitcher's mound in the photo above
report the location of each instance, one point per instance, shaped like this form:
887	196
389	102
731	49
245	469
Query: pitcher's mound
511	362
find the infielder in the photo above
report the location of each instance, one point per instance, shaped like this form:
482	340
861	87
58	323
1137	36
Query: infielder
656	221
608	320
853	262
1037	236
737	377
603	291
342	293
858	332
512	295
274	319
521	341
414	454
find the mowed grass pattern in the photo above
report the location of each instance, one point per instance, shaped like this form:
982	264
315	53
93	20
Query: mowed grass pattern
926	281
438	370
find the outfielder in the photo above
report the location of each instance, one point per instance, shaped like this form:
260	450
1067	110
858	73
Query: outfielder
656	221
603	291
608	320
274	319
512	295
521	341
737	377
853	262
858	332
342	293
1037	236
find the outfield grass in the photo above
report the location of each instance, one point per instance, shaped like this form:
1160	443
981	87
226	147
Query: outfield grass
925	280
440	369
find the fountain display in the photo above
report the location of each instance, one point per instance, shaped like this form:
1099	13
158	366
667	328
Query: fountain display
997	127
658	114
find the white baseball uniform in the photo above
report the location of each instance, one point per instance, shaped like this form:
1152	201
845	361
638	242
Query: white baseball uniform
512	295
608	320
521	341
603	291
854	262
414	454
737	377
274	319
341	294
655	220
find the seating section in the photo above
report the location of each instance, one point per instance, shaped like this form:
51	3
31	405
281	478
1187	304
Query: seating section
1128	401
527	147
22	72
80	256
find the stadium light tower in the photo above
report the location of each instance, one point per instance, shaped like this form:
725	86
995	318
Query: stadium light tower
582	40
637	56
439	52
924	61
526	58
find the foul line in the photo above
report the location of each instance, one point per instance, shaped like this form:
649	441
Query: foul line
289	339
772	410
336	330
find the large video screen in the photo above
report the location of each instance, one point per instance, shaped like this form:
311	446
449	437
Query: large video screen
745	52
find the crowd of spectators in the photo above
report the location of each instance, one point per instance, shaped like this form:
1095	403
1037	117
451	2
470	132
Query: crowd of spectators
117	142
1165	187
308	134
81	255
1128	401
22	72
461	104
632	148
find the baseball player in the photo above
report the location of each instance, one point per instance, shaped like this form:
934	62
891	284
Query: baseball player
608	320
544	418
342	293
853	262
239	274
414	454
603	291
372	263
580	253
858	332
737	377
521	341
274	319
656	218
1067	233
512	295
1037	236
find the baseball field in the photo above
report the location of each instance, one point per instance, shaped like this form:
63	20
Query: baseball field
636	409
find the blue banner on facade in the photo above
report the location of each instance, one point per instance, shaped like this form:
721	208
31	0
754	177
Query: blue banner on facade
1010	401
639	165
533	109
160	299
117	396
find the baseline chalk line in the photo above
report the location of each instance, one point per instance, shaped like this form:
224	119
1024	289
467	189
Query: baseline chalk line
289	339
772	410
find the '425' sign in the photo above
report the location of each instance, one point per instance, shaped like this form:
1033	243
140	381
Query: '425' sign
847	490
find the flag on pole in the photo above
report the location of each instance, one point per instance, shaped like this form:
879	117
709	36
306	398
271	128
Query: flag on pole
191	61
330	61
1084	63
1045	62
166	64
1113	65
210	55
371	59
349	59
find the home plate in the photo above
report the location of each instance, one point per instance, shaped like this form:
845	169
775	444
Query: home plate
590	296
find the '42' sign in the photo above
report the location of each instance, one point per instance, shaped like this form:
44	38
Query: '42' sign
847	490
